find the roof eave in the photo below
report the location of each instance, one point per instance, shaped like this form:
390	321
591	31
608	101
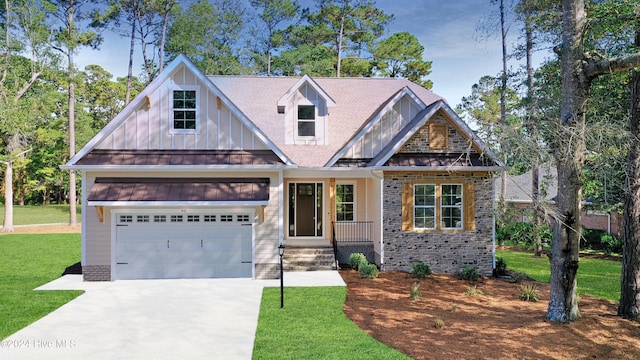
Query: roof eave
177	203
174	168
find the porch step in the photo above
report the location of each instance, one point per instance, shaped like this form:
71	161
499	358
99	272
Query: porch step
311	258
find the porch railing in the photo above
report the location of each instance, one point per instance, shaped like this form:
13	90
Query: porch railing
351	232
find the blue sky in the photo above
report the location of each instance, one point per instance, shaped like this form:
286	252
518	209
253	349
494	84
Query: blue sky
446	28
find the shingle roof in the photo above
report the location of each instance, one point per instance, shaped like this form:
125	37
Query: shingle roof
357	100
179	189
180	157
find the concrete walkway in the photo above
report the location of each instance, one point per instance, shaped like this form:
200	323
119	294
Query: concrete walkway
153	319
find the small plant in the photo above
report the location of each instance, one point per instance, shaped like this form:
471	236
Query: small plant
421	270
517	277
415	291
501	267
355	259
369	271
439	323
454	307
469	273
474	291
529	292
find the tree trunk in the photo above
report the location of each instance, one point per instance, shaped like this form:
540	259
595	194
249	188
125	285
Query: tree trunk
8	197
72	134
569	153
503	98
132	46
165	22
630	281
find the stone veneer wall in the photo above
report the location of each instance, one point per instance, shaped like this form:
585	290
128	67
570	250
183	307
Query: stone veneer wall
444	252
96	273
419	142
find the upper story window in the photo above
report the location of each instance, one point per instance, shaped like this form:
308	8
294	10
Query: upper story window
306	120
184	111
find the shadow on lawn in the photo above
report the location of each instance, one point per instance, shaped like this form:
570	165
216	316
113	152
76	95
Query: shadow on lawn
75	269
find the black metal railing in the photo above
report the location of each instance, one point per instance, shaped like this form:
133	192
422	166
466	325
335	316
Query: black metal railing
352	231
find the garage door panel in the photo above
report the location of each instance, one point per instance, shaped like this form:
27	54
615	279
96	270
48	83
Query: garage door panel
183	250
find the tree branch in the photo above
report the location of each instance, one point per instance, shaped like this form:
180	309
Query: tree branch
596	65
27	85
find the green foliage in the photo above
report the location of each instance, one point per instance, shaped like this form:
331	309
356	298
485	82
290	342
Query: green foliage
367	270
312	325
469	273
529	292
501	267
29	261
421	270
600	240
599	278
401	55
357	259
415	291
439	323
522	234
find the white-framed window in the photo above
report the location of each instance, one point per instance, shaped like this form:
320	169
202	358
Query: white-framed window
142	218
209	218
193	218
184	109
176	218
126	218
451	206
345	202
424	206
159	218
438	201
306	120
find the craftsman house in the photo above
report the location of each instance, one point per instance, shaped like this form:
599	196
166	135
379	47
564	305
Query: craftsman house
206	176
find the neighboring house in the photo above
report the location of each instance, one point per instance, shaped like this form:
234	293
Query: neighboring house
519	198
206	176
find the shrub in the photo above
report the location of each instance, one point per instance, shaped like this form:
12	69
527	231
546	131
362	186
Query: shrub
369	271
611	244
501	267
439	323
415	291
355	259
529	292
522	234
469	273
421	270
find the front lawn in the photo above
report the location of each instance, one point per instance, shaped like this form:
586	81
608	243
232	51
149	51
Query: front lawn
26	262
40	214
596	277
312	325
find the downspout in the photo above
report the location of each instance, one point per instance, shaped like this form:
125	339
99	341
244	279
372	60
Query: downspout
381	218
493	225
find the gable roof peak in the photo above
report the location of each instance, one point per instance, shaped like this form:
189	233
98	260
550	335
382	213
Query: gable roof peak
306	79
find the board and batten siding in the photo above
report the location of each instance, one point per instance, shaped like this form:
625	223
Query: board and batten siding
266	234
384	129
148	127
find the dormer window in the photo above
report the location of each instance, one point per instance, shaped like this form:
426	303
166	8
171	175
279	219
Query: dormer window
184	110
306	120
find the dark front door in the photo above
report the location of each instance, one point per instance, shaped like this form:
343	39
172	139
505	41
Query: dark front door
305	209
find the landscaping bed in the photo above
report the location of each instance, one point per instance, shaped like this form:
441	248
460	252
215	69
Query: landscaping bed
493	325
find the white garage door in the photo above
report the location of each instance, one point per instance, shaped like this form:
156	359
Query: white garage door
175	245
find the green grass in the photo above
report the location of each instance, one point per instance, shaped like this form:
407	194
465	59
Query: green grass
26	262
596	277
312	325
40	214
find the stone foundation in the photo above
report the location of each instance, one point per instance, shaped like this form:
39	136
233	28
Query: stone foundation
96	273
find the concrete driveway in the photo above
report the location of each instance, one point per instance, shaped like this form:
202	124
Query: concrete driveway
152	319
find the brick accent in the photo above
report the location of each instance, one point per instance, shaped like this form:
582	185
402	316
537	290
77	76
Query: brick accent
96	273
419	142
267	271
445	252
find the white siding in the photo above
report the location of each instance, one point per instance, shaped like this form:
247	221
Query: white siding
148	128
384	129
98	249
